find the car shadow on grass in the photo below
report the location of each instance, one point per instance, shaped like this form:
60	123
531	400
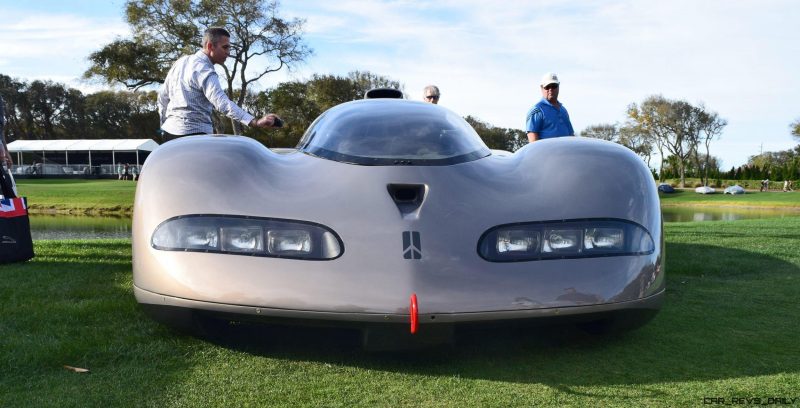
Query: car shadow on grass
728	313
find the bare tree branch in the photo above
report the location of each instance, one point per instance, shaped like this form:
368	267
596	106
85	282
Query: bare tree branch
164	30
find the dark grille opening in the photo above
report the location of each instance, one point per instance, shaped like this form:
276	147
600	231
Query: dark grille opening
407	197
406	193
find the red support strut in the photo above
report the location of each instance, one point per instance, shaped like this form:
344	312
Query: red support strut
414	311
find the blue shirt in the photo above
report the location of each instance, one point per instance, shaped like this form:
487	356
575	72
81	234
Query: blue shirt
548	121
188	95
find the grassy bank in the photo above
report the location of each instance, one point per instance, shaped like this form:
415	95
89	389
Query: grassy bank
74	196
115	197
771	199
692	182
728	329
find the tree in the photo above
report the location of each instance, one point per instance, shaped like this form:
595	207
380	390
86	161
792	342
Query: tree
365	80
299	103
144	121
297	111
128	62
498	138
640	122
795	127
47	110
711	126
109	114
72	119
676	126
628	136
16	101
46	100
164	30
640	142
602	131
782	165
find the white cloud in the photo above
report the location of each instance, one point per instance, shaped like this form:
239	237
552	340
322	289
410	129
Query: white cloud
738	57
54	45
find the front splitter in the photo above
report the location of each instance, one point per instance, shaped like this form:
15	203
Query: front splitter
154	301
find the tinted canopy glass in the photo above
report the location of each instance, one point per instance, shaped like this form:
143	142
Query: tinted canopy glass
392	132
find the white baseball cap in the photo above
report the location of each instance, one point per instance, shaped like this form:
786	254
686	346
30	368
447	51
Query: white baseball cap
550	78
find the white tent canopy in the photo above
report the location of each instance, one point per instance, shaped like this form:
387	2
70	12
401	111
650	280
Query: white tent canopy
119	145
83	145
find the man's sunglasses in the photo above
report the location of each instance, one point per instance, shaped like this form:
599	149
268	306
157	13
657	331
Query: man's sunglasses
551	86
432	97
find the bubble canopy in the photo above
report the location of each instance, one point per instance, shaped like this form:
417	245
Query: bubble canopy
384	132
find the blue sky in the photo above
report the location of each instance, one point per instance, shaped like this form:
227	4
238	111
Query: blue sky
739	58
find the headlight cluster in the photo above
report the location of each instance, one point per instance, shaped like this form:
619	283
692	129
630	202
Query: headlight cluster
564	239
248	236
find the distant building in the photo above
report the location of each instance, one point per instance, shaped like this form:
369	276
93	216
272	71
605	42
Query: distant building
77	157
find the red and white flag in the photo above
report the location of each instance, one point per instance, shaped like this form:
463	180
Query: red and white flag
13	207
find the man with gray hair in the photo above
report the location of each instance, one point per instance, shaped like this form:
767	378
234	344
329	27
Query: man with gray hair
431	94
192	89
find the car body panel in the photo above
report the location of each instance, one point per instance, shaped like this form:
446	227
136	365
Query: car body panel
551	180
666	188
735	189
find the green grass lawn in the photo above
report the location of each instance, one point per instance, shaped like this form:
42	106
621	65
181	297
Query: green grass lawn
729	329
78	196
116	197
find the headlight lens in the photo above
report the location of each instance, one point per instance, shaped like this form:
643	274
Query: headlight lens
199	237
517	241
248	236
242	239
604	238
289	242
564	239
561	240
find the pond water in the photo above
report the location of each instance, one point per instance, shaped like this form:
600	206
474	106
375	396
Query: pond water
684	214
86	227
45	226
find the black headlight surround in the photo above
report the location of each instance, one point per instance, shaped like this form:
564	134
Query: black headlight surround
487	243
315	229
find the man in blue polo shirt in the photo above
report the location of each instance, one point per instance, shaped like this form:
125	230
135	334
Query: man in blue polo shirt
548	118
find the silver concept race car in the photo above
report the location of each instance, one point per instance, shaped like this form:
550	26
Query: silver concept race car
392	216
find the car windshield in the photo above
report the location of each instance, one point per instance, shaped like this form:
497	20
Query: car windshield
392	132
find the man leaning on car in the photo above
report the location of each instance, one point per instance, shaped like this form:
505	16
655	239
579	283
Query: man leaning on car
192	89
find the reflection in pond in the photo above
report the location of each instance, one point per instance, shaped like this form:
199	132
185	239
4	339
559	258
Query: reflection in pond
45	226
684	214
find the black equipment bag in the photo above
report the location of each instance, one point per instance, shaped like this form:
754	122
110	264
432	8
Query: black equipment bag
15	229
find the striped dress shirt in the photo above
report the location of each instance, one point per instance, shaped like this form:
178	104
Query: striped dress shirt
189	93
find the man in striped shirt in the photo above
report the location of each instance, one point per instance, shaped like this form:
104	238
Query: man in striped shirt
192	89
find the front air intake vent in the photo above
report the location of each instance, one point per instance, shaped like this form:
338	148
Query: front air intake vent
407	197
